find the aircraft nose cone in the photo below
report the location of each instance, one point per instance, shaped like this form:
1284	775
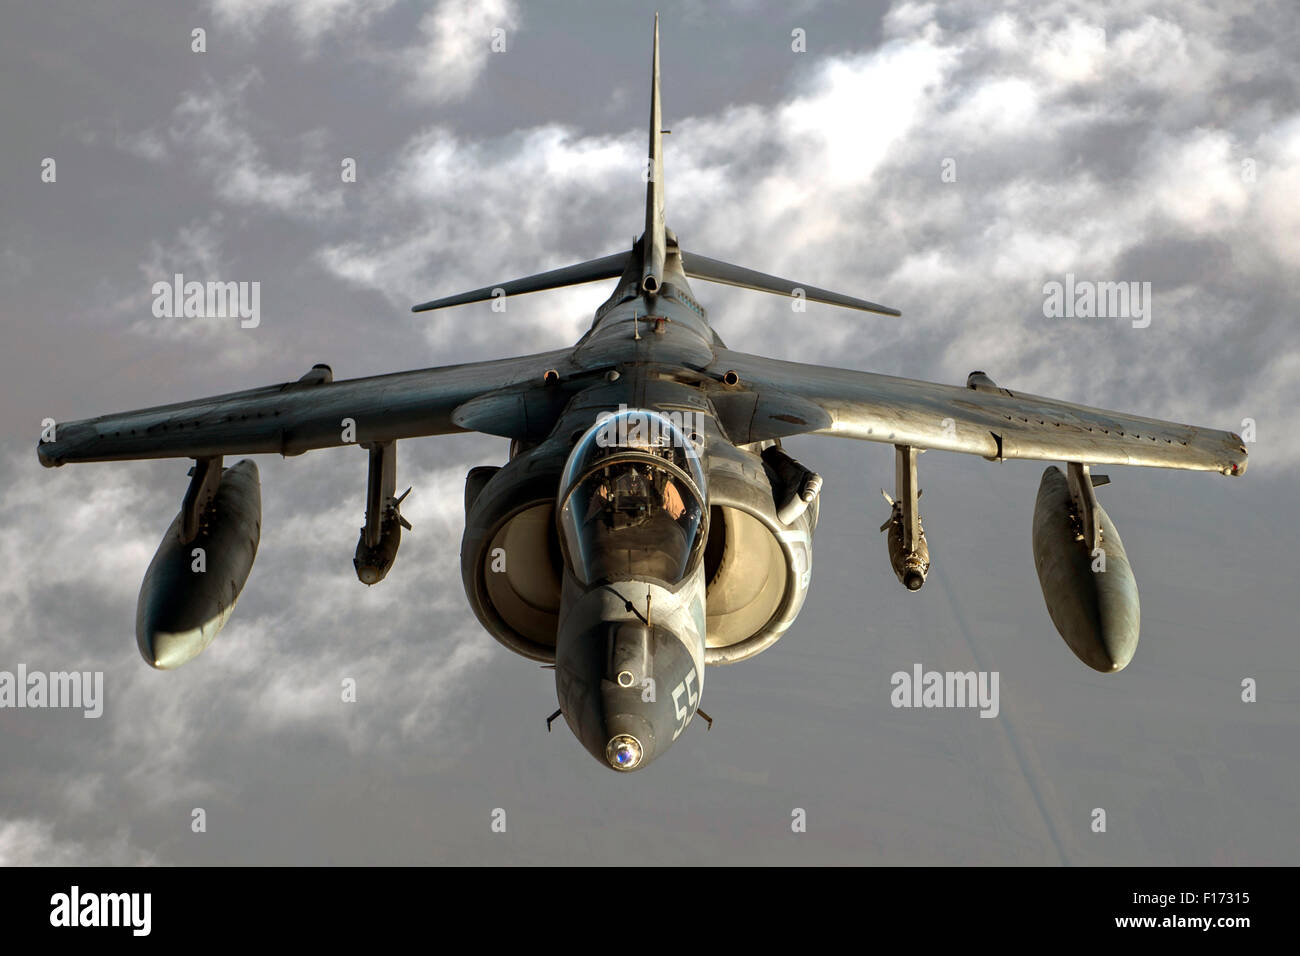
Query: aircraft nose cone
631	742
627	688
624	752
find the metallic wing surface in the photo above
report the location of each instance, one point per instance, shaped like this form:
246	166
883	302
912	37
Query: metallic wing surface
295	417
992	422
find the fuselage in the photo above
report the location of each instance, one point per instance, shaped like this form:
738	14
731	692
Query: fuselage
617	596
631	635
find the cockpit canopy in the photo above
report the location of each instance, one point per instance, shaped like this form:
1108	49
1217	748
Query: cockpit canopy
632	503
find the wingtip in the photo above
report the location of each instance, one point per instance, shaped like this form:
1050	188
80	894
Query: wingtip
1238	467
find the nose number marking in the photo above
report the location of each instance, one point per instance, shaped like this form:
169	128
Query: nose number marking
684	714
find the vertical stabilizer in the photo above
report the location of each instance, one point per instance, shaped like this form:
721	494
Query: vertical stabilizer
655	244
652	249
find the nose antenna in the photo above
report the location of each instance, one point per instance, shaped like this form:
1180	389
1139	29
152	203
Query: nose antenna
551	719
707	719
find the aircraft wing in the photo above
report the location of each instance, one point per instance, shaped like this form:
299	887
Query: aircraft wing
295	417
980	419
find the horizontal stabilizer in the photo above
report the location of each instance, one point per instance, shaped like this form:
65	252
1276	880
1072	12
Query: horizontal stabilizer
610	267
714	270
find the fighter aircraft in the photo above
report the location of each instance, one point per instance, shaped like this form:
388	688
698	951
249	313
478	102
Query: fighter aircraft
648	522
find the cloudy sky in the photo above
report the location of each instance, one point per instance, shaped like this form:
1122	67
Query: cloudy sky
1137	141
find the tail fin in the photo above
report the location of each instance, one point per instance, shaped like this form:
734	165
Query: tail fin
655	244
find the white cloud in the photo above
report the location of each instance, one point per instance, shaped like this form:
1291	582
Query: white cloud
1074	52
147	144
309	19
454	45
211	128
197	252
448	49
32	842
461	205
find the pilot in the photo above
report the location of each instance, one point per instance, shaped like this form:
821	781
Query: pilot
600	500
672	500
631	483
632	488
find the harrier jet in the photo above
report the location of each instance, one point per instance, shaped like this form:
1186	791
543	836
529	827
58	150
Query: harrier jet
648	522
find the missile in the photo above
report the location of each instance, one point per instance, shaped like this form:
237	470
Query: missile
373	561
911	565
1090	592
909	553
382	532
194	579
